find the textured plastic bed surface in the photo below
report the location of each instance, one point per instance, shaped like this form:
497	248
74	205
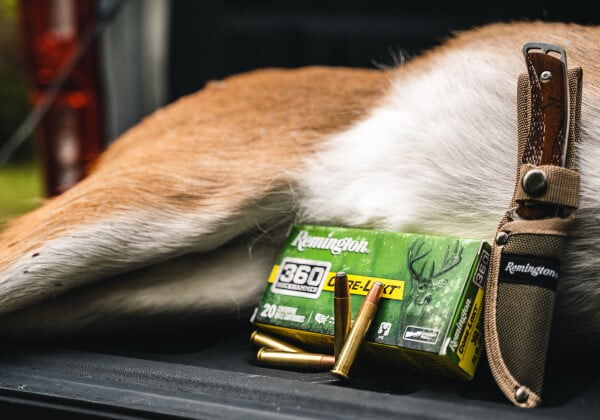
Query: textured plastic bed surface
183	376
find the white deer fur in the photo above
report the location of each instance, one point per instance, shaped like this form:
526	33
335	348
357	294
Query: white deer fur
436	156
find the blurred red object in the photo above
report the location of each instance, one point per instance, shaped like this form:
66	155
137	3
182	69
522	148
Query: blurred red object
71	135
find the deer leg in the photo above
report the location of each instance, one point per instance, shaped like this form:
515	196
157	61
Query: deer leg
59	247
225	284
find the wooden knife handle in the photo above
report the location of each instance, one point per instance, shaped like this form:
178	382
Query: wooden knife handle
546	143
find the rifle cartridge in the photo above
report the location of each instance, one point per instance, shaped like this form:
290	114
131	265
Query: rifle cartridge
359	330
303	361
342	315
263	340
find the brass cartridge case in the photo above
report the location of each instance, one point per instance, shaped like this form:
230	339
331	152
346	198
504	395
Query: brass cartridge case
303	361
263	340
341	310
359	330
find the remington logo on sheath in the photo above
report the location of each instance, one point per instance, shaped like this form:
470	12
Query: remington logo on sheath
532	270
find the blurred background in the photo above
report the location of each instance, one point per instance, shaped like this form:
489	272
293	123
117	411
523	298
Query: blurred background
137	55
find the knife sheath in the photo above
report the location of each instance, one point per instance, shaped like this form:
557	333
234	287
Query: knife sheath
524	272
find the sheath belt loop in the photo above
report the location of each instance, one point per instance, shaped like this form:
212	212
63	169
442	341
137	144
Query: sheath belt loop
554	185
523	276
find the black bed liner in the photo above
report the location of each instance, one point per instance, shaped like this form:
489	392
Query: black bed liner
187	376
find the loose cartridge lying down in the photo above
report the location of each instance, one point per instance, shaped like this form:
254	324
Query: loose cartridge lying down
263	340
303	361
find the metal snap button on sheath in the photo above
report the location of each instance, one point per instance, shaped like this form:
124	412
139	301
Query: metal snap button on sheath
501	238
535	182
521	395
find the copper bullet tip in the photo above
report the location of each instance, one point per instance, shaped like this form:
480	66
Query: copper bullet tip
327	361
340	289
375	293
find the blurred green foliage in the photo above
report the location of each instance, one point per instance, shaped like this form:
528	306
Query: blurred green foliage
20	183
8	9
20	189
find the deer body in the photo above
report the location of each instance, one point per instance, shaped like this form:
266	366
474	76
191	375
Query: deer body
429	147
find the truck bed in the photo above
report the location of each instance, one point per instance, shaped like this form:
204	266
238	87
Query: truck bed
200	374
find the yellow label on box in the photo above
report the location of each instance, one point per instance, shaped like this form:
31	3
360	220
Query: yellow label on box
359	285
469	350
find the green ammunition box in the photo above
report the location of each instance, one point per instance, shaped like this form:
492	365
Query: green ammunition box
430	316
